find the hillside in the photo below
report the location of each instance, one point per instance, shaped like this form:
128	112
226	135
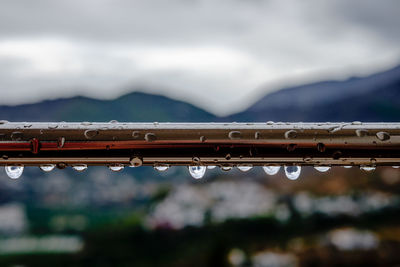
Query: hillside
133	107
371	98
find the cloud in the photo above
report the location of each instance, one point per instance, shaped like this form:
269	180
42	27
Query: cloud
215	54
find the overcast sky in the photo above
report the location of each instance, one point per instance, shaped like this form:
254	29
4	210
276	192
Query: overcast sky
219	55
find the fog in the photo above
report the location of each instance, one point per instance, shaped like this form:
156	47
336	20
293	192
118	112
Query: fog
220	56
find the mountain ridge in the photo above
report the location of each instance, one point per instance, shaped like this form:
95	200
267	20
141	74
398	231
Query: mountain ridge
312	92
372	98
135	106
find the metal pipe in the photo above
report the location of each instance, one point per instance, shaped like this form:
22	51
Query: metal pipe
221	144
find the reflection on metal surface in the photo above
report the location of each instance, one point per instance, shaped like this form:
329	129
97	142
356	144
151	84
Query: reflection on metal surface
204	144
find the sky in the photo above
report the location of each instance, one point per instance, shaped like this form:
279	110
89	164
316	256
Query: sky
219	55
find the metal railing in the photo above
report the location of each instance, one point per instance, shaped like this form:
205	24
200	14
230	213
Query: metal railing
199	144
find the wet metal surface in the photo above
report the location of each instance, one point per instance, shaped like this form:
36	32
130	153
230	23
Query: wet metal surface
221	144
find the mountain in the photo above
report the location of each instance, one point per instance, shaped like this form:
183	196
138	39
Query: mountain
371	98
133	107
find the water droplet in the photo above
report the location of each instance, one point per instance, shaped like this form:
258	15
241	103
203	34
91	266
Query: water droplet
34	145
15	171
150	137
197	172
334	129
292	172
47	167
244	167
135	134
116	167
235	135
89	134
367	168
60	142
16	136
52	126
226	168
290	134
322	168
210	167
61	165
136	162
161	168
79	167
348	167
271	170
291	147
337	154
361	132
383	136
395	167
196	159
321	147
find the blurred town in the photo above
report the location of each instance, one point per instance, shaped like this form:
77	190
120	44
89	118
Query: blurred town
342	217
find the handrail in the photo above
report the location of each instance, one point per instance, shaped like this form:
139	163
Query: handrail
220	144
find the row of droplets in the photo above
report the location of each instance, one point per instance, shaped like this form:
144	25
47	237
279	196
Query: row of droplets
196	171
292	172
15	171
